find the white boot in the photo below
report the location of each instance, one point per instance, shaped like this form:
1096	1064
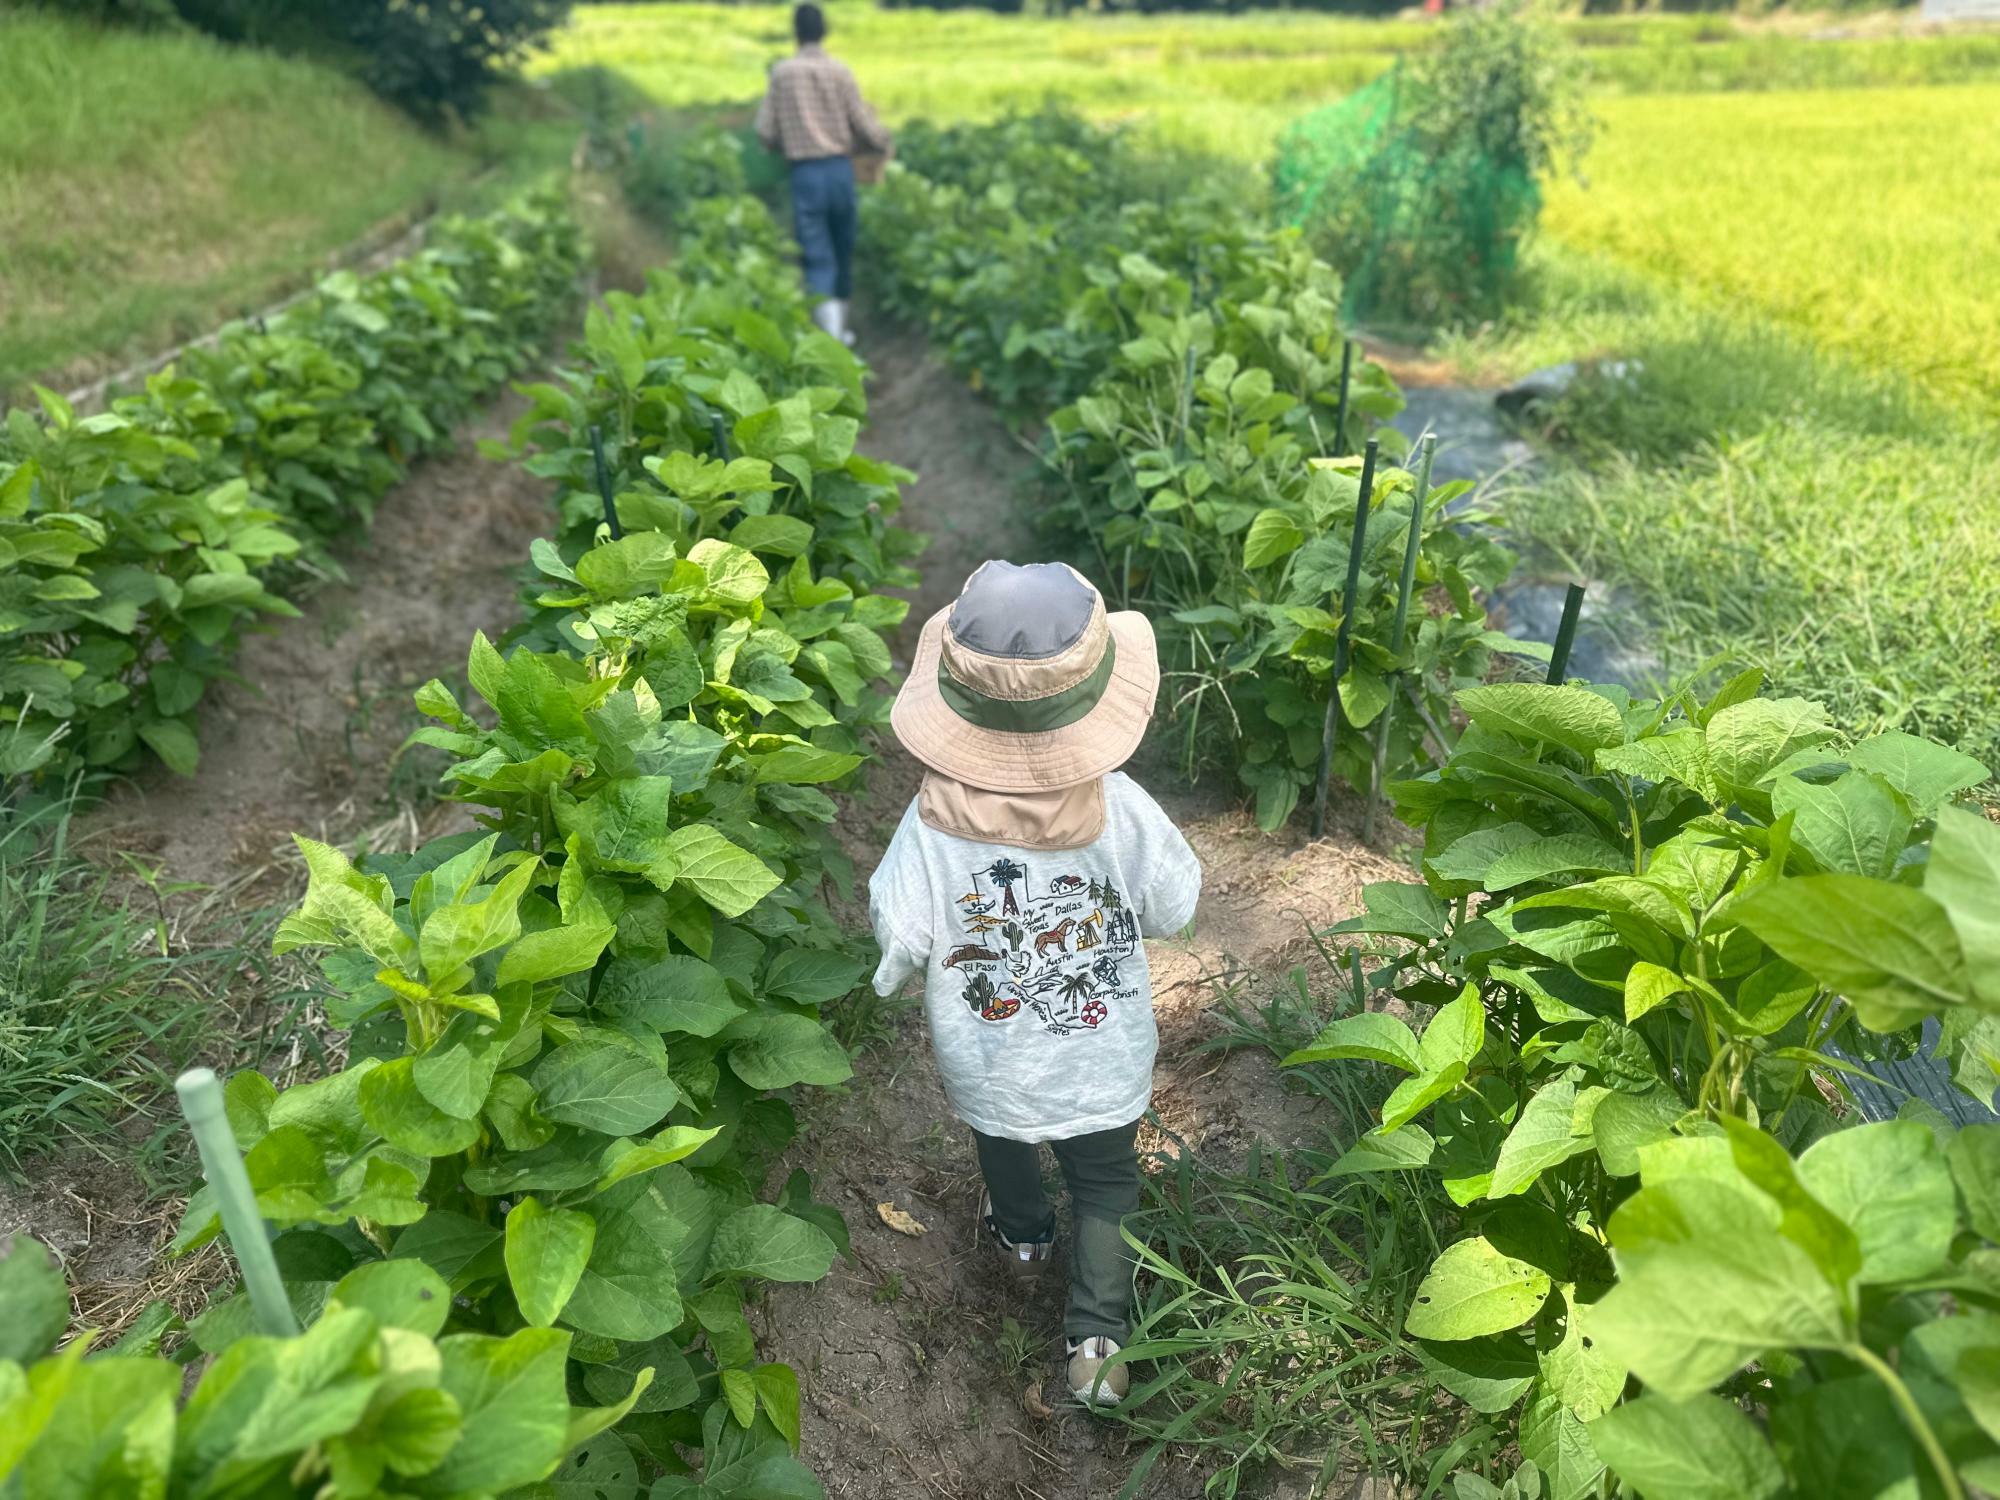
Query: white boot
826	315
840	330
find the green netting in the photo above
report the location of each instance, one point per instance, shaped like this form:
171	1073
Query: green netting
1424	225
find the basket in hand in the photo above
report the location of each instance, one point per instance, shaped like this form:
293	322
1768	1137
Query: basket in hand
869	165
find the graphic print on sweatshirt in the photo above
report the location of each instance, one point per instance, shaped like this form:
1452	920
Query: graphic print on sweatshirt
1048	941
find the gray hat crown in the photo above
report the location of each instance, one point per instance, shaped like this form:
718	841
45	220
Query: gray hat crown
1022	611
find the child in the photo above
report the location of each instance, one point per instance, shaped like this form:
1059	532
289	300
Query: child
1019	884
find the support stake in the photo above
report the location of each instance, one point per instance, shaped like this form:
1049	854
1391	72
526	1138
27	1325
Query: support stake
1565	635
201	1101
1343	637
604	483
1412	545
1340	411
720	433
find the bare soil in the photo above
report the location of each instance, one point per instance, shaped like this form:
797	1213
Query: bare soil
915	1383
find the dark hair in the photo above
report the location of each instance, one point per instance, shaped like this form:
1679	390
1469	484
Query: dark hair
809	23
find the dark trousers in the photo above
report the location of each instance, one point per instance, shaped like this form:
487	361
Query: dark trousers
823	219
1102	1171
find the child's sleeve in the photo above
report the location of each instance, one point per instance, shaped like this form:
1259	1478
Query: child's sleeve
1173	875
899	908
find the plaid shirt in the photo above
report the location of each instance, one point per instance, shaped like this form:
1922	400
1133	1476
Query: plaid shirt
813	108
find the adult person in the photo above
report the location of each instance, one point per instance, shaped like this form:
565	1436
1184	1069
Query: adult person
814	115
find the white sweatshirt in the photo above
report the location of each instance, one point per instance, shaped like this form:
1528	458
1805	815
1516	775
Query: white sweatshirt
1036	986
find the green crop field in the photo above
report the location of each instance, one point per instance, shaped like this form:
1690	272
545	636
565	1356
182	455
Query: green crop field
1850	215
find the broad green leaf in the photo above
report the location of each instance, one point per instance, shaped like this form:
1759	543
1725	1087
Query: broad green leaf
1380	1038
396	1108
675	994
174	741
813	976
1974	1155
554	952
1747	740
547	1249
778	1394
397	1294
1413	1096
1560	854
740	1392
1577	1371
1461	867
1623	1122
775	1049
761	1240
604	1083
1363	695
1927	773
515	1408
1455	1033
1707	1284
1890	1183
1843	1437
1399	909
630	1287
453	936
627	1158
1890	950
1541	1138
1557	1442
1700	1449
459	1249
1472	1290
1963	876
781	536
1572	717
1488	1374
734	575
34	1300
1680	755
1803	1218
1856	825
728	878
1648	986
1384	1151
104	1429
1272	535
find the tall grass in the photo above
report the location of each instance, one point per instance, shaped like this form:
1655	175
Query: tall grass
98	1007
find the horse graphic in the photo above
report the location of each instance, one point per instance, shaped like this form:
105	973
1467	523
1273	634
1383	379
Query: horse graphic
1057	937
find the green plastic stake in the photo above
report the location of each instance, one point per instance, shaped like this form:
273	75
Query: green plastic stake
1340	411
1565	635
201	1101
604	483
1360	985
1412	545
720	434
1343	637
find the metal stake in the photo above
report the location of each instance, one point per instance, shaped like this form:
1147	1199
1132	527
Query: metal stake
1340	411
604	483
1565	634
1412	545
201	1101
1343	637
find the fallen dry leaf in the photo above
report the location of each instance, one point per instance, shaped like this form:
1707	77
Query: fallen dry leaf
1033	1404
899	1221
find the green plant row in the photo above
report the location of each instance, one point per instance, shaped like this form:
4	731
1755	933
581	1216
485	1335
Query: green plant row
1652	940
1187	361
573	1030
138	545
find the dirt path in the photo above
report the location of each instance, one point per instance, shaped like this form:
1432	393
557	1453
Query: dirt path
926	1374
306	749
304	743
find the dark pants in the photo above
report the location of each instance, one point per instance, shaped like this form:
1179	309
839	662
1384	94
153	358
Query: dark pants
823	220
1102	1170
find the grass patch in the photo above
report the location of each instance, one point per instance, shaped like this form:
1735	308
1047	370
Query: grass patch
154	184
99	1008
1272	1298
1767	503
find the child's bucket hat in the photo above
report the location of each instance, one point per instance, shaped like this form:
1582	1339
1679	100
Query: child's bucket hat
1027	683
